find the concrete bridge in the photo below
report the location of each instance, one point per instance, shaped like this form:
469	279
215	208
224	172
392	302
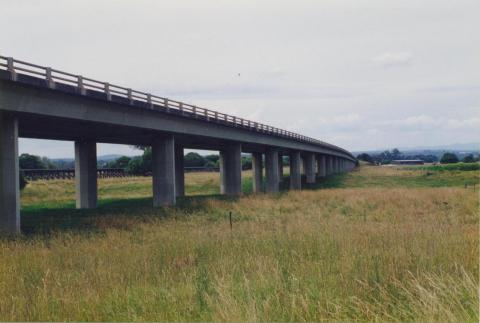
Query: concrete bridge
45	103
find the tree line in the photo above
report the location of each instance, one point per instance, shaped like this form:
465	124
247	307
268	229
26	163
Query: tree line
138	165
386	157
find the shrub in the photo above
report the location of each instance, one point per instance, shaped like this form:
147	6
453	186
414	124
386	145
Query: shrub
469	159
449	158
23	181
366	158
454	167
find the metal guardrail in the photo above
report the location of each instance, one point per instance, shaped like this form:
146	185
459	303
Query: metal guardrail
53	77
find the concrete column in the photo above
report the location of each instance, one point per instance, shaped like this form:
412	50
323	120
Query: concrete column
280	168
257	170
295	172
332	165
321	166
337	165
231	170
9	175
328	170
86	174
163	171
271	170
179	172
310	167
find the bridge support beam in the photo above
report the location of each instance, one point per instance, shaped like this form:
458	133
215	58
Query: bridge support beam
321	166
257	169
179	172
310	167
9	175
231	170
272	170
280	168
295	171
86	191
163	171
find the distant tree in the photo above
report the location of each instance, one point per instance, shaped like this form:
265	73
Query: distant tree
48	163
63	163
27	161
246	162
212	158
469	159
449	158
385	157
141	165
23	182
366	158
210	164
121	162
396	154
427	158
194	160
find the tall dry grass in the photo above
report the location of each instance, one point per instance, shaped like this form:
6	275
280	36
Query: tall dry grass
364	254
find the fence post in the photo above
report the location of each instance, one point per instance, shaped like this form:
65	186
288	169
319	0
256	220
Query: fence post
130	97
165	103
149	101
81	87
48	77
107	91
11	69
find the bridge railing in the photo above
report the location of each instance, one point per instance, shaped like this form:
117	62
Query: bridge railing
54	78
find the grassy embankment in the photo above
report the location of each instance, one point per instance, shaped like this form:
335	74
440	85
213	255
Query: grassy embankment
380	244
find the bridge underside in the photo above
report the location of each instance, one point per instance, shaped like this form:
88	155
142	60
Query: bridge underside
54	128
33	111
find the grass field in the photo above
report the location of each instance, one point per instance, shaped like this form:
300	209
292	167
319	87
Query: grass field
379	244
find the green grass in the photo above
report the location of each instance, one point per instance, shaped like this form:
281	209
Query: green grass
356	252
453	167
404	176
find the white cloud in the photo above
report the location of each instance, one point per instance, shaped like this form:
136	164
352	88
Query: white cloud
425	122
391	59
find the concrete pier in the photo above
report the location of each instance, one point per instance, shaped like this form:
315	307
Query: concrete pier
295	171
331	168
9	174
86	191
231	170
257	169
280	168
310	167
179	171
321	166
163	171
271	171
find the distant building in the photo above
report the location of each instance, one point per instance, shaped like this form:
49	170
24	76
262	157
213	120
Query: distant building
408	162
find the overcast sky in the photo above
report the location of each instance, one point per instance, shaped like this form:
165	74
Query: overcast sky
360	74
